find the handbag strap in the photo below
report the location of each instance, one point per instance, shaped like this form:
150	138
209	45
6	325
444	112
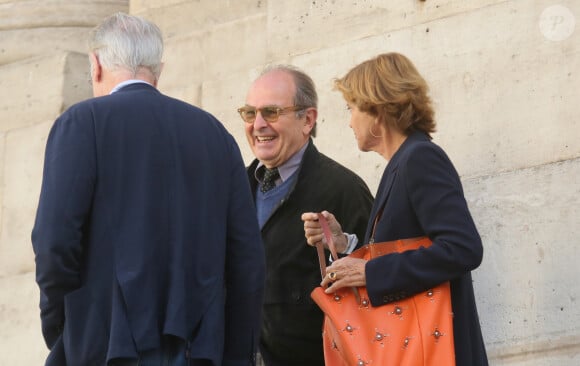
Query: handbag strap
332	248
320	248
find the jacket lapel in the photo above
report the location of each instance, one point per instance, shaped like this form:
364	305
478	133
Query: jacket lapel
381	199
388	179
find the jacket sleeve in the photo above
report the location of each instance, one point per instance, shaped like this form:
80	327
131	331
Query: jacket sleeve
245	270
64	204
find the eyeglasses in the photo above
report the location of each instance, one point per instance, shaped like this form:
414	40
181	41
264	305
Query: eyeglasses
269	114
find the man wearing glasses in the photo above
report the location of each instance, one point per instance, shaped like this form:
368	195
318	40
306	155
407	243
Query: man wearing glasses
288	177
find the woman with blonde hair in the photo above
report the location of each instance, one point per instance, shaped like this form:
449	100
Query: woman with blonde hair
420	195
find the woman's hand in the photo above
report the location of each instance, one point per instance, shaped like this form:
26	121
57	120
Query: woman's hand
344	272
314	234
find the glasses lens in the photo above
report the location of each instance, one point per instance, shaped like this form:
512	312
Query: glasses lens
270	114
248	114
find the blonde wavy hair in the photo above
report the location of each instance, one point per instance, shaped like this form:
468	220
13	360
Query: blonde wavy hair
389	86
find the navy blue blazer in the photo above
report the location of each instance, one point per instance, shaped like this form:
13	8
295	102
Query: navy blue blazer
421	195
145	221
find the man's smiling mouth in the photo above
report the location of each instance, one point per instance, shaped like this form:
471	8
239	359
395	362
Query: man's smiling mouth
264	138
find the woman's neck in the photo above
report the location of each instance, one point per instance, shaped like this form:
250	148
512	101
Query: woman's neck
391	142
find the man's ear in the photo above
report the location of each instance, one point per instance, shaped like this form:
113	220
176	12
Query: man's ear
158	76
310	119
96	68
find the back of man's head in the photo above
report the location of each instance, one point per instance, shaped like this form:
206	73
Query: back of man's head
128	42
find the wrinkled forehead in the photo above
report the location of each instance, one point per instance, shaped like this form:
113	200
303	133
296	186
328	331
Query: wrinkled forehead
275	88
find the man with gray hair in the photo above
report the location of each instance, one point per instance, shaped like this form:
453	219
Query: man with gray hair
289	177
145	222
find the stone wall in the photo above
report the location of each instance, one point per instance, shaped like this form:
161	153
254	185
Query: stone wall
504	76
43	71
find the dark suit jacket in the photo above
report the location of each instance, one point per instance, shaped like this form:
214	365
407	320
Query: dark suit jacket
145	221
292	325
422	196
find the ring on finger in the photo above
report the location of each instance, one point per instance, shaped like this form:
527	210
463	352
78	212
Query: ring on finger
332	276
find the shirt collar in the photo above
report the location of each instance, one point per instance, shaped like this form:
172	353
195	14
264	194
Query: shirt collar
127	82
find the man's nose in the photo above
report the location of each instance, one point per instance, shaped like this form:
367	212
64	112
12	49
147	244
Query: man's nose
260	122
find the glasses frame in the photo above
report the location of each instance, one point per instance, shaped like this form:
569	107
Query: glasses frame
278	112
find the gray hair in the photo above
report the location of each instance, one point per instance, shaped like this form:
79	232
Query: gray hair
306	95
128	42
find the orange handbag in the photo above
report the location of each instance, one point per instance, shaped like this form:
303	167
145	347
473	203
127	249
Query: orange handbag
414	331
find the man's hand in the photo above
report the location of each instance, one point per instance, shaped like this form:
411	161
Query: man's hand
314	234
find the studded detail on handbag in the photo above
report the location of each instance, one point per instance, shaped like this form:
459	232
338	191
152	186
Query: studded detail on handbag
407	331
